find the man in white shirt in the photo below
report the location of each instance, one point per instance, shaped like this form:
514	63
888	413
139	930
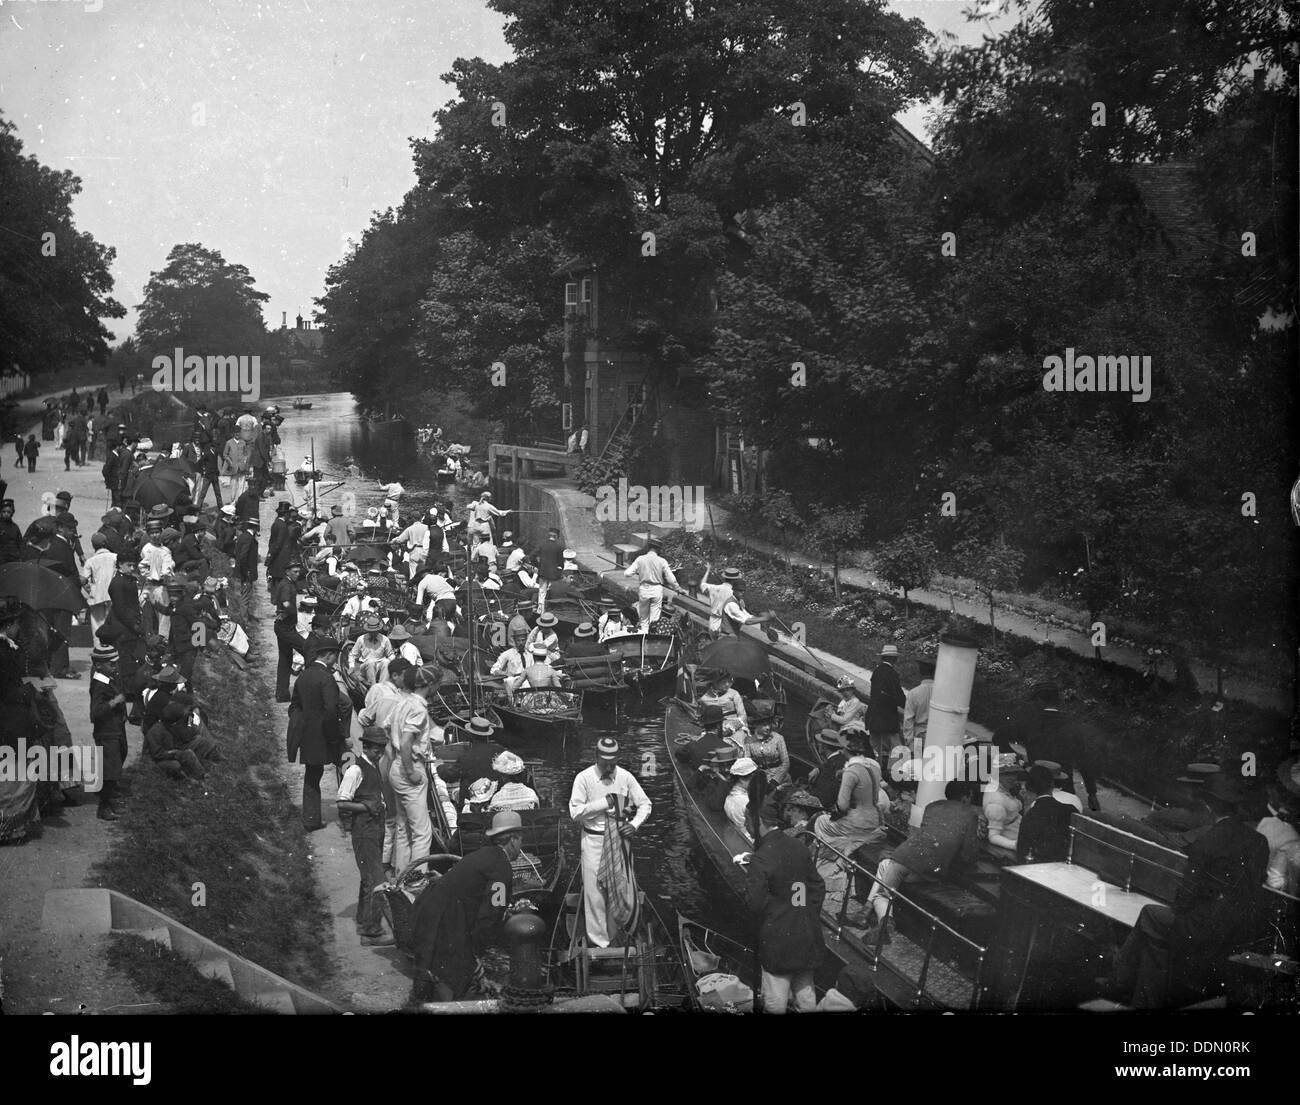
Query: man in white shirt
734	612
511	665
717	595
916	711
599	791
517	568
436	593
481	514
359	604
485	550
416	539
655	574
96	575
400	639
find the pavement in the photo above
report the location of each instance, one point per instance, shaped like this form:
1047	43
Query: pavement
39	973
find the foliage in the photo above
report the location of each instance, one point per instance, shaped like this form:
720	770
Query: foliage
50	304
994	566
908	562
202	303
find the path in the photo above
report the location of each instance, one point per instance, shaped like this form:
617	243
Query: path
41	974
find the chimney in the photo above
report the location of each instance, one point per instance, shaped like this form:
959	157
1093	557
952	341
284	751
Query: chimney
300	322
284	320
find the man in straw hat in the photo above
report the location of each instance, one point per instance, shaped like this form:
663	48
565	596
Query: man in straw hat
455	918
600	792
372	651
1177	954
654	574
361	811
884	712
584	642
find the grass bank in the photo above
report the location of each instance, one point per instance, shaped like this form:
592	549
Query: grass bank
1149	730
169	977
228	857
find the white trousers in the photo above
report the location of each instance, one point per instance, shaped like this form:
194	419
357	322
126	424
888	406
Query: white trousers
778	989
543	589
649	604
592	898
413	827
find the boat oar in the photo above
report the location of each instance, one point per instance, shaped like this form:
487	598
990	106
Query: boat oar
820	666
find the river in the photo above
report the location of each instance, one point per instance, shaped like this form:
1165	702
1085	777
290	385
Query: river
669	863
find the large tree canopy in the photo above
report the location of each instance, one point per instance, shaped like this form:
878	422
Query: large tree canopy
54	279
202	303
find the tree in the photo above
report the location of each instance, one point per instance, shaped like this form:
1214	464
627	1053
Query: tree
838	530
54	279
993	567
203	304
780	515
907	562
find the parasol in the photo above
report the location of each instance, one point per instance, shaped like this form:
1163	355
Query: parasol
176	464
163	486
736	656
38	587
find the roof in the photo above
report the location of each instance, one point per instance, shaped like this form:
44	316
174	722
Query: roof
308	339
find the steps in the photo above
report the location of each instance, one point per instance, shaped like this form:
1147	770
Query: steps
72	913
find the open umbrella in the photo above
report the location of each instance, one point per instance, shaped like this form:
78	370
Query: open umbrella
737	656
38	587
175	464
155	487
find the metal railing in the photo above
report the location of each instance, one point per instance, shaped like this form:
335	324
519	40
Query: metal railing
934	925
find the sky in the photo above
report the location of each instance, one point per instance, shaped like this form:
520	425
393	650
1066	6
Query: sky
269	130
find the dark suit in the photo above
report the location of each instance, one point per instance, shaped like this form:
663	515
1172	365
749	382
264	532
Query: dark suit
1176	956
887	698
11	542
455	917
1049	734
949	832
60	557
1044	832
284	596
279	550
781	873
315	736
128	624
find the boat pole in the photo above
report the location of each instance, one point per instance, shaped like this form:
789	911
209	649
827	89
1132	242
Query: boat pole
314	509
954	676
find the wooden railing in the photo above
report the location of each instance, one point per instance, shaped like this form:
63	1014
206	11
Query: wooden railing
516	462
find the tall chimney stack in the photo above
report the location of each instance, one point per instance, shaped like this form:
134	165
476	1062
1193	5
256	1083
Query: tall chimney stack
954	677
284	320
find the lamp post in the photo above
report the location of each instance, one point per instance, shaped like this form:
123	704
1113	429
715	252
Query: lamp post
954	676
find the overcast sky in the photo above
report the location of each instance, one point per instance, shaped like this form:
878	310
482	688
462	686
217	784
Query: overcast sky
267	129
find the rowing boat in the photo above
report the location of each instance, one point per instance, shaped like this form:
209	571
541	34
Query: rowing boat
538	712
642	976
707	955
649	659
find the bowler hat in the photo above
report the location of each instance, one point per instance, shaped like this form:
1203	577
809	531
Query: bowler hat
320	642
64	496
711	716
507	821
374	734
160	511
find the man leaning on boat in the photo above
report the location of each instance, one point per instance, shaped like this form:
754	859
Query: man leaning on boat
597	791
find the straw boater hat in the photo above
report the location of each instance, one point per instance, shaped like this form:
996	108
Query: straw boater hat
730	575
744	766
371	623
374	734
478	726
889	652
570	558
539	650
586	629
547	620
508	764
507	821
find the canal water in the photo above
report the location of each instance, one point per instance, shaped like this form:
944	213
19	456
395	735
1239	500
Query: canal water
669	862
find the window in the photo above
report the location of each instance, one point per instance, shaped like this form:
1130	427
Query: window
566	416
570	294
587	283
